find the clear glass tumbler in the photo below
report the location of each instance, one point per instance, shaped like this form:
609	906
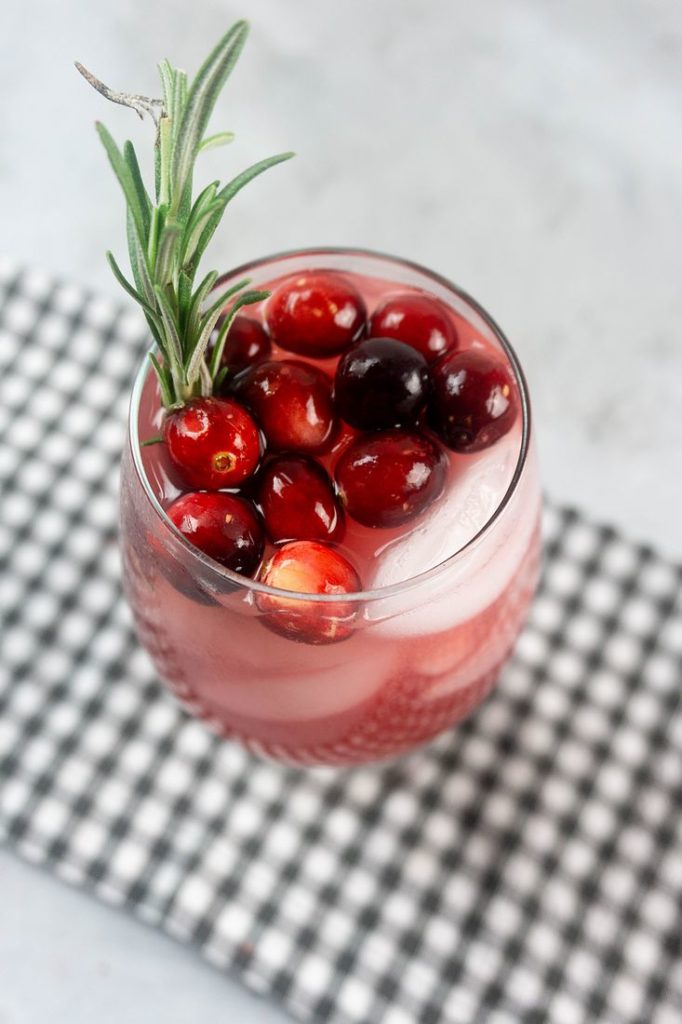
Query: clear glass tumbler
418	655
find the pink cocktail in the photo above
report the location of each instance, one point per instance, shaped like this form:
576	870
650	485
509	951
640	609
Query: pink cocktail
444	596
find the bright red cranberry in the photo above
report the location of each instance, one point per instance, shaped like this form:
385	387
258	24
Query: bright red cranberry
473	400
292	401
389	478
214	442
246	344
298	501
315	314
223	526
308	567
381	383
418	320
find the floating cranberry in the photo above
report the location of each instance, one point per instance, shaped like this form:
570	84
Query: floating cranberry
315	314
387	479
298	501
381	383
223	526
246	344
419	320
292	401
308	567
213	442
473	401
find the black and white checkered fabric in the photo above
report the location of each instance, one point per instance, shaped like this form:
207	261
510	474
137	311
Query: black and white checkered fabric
525	867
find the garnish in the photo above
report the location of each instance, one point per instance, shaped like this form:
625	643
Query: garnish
167	238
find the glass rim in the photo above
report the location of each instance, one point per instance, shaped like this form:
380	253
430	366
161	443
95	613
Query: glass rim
253	586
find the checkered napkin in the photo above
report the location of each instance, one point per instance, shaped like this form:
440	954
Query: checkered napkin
526	866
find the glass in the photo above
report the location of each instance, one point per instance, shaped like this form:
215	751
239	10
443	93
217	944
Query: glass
421	654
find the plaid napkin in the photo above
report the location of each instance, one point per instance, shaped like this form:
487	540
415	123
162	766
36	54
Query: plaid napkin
526	866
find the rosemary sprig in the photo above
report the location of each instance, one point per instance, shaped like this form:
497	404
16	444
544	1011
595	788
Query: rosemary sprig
167	237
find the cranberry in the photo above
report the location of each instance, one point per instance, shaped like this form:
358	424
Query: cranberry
298	501
418	320
307	567
214	442
474	401
223	526
389	478
381	383
292	401
246	344
315	314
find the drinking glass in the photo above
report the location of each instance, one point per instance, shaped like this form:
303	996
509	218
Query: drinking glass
416	656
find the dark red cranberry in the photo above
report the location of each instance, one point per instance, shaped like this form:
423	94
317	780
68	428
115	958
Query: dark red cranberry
223	526
246	344
308	567
419	320
473	400
381	383
213	442
292	401
145	553
389	478
315	314
298	502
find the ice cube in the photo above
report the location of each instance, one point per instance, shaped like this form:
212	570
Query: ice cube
473	581
299	697
230	662
473	491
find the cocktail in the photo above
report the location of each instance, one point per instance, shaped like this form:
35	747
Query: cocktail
423	603
329	498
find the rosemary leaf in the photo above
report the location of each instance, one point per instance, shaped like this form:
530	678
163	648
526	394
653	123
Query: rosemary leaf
165	258
198	355
165	150
196	219
168	236
205	379
125	283
196	230
185	204
157	170
122	172
219	303
138	261
199	297
173	342
179	90
184	89
155	325
167	76
247	299
165	384
228	192
184	300
145	203
203	200
213	141
153	240
201	100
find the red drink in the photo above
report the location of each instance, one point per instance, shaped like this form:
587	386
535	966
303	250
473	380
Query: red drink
444	594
